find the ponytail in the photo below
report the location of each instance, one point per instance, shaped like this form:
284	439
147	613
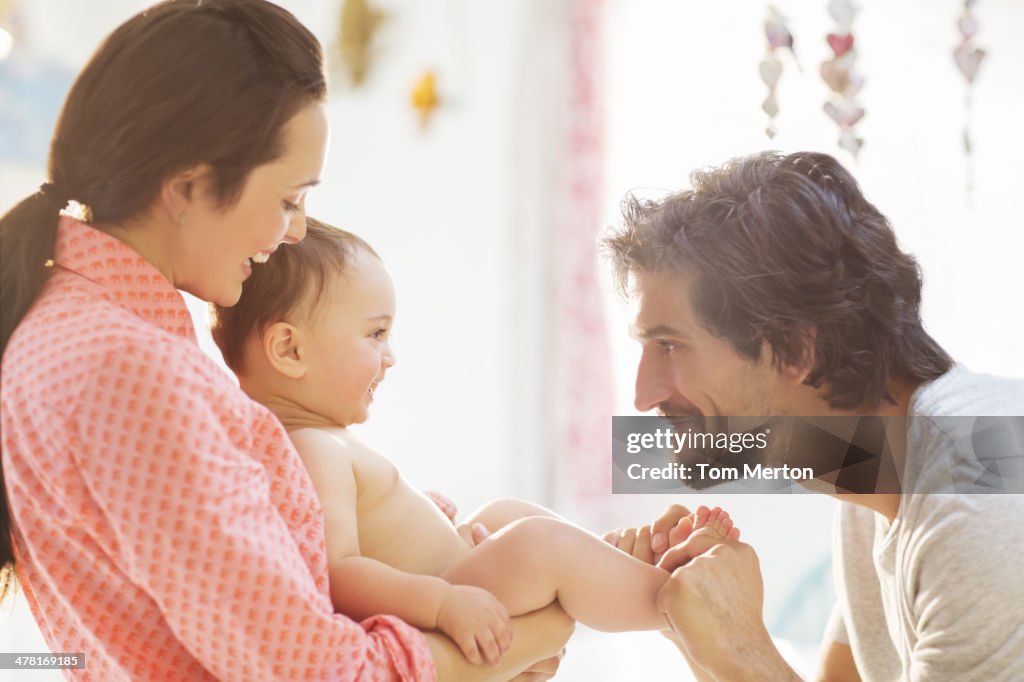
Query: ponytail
27	236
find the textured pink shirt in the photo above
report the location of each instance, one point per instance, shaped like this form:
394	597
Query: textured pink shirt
163	523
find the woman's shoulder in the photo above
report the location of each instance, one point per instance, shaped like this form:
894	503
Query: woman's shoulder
71	341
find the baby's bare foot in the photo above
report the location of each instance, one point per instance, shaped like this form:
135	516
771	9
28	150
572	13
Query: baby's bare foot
710	527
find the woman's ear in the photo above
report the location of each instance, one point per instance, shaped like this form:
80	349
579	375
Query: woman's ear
180	191
282	345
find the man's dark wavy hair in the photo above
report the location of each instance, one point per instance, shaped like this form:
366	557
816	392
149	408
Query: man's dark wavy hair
785	249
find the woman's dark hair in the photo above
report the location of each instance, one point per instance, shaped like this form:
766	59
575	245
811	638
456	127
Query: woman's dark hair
182	83
286	287
785	250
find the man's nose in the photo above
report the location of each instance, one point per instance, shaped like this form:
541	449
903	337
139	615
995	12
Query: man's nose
653	384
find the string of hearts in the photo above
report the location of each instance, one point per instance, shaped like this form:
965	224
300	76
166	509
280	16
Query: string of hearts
838	72
841	76
968	57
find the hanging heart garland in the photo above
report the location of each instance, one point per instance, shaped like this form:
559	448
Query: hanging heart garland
841	77
778	38
968	57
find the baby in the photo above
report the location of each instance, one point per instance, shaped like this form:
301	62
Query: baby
310	340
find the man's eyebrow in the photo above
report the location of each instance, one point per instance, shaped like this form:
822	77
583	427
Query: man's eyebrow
658	331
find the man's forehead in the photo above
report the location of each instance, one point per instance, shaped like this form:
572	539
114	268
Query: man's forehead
659	303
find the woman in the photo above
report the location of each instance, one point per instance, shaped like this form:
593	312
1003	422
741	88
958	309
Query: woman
161	522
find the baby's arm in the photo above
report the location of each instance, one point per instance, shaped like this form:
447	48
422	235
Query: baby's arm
362	587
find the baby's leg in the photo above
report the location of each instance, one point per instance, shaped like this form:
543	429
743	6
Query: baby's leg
534	561
499	513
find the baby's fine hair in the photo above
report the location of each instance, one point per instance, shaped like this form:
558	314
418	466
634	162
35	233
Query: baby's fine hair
287	287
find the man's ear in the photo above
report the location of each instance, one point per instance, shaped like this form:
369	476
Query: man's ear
797	373
180	191
282	344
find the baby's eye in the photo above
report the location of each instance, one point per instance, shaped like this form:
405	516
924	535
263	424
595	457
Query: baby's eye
380	334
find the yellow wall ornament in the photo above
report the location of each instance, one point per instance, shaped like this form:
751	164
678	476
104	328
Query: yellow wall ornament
359	23
425	98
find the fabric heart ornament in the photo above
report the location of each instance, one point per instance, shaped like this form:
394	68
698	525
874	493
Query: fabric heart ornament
771	69
770	106
842	13
778	36
846	115
840	44
968	59
968	26
850	142
836	75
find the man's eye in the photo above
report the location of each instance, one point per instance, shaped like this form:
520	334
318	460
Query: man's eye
668	346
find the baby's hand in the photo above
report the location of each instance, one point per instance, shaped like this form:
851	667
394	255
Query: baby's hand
477	622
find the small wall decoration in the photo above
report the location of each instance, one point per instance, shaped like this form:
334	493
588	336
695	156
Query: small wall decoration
840	75
968	57
778	38
359	23
425	98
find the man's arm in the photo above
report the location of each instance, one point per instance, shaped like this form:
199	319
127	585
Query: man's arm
837	664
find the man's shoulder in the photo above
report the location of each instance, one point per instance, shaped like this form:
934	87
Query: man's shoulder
961	392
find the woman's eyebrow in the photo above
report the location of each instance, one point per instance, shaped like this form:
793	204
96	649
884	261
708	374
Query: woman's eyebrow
307	183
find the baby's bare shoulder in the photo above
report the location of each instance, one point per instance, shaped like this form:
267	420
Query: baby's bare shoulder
333	448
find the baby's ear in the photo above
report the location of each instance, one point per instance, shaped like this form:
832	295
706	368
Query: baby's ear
281	346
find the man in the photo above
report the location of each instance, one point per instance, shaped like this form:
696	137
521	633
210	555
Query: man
773	287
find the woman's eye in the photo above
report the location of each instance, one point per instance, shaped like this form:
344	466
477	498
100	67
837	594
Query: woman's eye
289	206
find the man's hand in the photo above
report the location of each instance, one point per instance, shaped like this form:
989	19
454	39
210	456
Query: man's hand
649	543
477	622
714	604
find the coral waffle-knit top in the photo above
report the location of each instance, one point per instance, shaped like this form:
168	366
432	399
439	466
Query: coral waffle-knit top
163	523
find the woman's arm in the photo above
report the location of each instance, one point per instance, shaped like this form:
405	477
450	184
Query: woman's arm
539	635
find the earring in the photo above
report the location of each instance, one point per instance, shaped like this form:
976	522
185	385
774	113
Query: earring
183	218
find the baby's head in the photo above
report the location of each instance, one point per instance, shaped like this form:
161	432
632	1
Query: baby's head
309	337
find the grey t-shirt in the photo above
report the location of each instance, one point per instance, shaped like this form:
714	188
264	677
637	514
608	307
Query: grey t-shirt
939	593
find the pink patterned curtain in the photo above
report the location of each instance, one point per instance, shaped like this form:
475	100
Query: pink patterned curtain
583	387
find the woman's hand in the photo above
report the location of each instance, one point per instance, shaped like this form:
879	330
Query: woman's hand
473	534
443	503
541	670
